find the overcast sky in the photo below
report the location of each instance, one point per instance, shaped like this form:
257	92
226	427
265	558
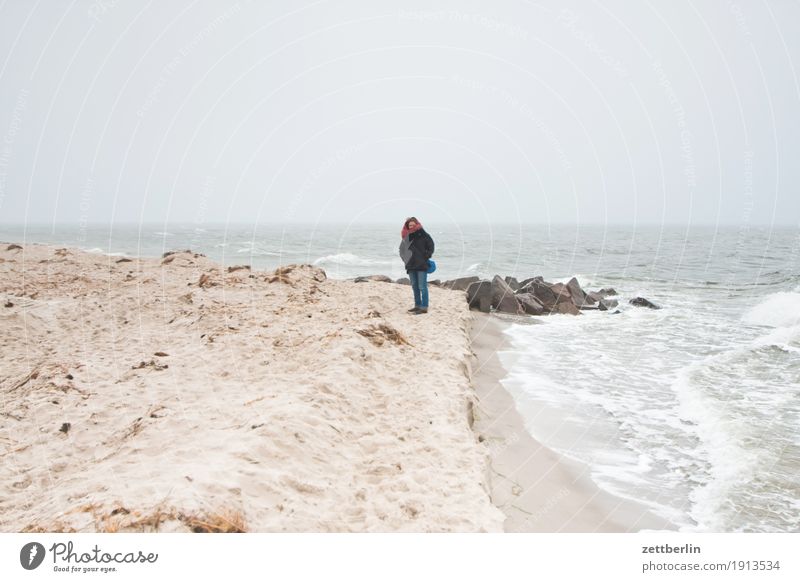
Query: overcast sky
561	112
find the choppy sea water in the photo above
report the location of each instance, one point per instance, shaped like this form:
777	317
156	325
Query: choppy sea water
694	409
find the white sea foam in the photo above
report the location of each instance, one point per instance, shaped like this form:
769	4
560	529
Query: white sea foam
720	444
348	259
780	309
258	252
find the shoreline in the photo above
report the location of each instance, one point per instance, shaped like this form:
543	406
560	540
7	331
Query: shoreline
536	488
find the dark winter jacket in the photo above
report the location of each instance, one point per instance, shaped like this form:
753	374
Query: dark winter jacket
415	250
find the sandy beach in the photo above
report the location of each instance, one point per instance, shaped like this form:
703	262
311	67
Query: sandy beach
176	395
537	489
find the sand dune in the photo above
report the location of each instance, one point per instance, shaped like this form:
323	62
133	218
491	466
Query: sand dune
171	394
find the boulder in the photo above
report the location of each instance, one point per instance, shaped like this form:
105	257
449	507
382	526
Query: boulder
566	307
461	283
578	294
503	298
606	304
404	281
542	291
642	302
380	278
479	295
530	304
513	283
435	282
606	291
524	282
593	298
562	293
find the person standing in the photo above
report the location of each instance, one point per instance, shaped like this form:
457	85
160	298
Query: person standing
416	248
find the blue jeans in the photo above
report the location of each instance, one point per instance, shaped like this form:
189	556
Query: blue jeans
419	283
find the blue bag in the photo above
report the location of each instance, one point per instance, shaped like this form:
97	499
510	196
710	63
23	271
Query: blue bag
431	266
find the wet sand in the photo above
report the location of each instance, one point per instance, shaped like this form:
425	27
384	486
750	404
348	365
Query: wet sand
537	489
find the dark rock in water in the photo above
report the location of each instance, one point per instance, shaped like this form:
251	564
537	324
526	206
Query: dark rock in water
479	295
513	283
524	282
404	281
606	291
642	302
461	283
575	291
503	298
542	291
566	307
606	304
530	304
562	293
592	298
379	278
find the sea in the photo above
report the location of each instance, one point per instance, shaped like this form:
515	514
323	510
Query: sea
692	410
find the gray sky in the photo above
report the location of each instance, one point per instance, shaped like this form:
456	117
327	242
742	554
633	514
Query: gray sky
562	112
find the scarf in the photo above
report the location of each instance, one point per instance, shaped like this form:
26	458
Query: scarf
404	232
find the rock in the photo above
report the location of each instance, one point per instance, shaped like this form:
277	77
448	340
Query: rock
524	282
461	283
566	307
403	281
65	427
592	298
379	278
513	283
578	295
12	247
503	298
530	304
479	295
606	291
562	293
435	282
642	302
606	304
8	304
123	260
542	291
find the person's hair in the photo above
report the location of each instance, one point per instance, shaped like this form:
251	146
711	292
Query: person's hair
409	219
